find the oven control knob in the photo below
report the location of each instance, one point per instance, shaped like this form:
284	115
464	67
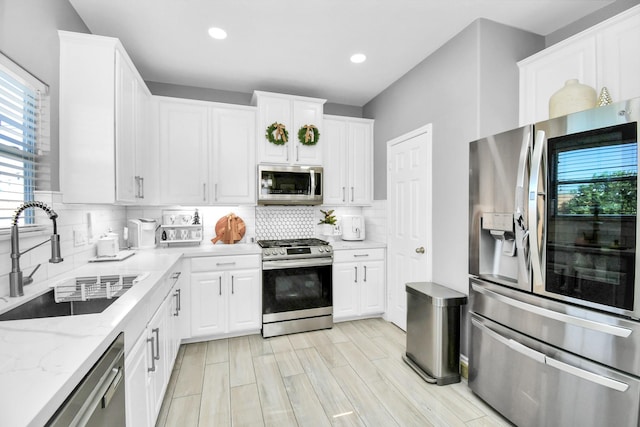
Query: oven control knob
327	249
282	252
320	249
268	252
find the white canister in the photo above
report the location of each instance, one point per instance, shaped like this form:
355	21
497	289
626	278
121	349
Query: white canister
108	245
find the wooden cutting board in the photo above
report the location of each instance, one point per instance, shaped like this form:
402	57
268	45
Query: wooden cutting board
230	229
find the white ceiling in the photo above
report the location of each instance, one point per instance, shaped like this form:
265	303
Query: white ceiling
303	46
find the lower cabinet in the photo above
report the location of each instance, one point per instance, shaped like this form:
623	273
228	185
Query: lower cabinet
358	283
225	295
149	363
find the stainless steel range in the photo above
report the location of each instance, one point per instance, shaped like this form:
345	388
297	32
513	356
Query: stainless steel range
296	286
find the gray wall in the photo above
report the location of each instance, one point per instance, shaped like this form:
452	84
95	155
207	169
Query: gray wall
229	97
29	36
468	88
589	21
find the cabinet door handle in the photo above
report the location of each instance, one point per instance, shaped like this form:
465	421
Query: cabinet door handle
177	295
297	153
176	275
142	187
137	181
356	270
215	191
220	285
232	286
157	332
204	191
153	357
352	194
365	273
344	192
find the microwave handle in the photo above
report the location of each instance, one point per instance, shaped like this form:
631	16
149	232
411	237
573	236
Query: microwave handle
536	219
312	190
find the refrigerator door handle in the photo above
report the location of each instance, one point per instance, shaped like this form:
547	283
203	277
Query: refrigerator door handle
520	214
587	375
536	241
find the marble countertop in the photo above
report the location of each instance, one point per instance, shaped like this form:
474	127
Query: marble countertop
42	360
356	244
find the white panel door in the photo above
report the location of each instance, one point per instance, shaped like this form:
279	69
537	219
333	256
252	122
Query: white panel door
409	214
618	59
360	164
306	113
245	308
208	314
137	384
183	152
125	125
271	110
334	142
345	290
372	297
233	158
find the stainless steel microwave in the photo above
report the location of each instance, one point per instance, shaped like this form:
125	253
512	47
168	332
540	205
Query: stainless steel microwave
289	185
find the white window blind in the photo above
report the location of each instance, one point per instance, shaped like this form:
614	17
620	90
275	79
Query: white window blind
23	140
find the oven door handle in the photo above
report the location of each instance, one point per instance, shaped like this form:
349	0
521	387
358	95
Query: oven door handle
295	263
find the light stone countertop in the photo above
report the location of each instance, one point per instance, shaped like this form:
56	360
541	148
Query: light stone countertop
42	360
356	244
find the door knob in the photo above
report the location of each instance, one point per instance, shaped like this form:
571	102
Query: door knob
420	250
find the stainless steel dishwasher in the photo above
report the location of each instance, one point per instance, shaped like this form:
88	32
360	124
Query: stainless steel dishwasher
98	401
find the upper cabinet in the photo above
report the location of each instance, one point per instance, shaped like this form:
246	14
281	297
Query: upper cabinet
104	126
602	56
233	160
184	149
207	152
348	176
293	112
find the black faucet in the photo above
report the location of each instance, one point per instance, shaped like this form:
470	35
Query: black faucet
16	281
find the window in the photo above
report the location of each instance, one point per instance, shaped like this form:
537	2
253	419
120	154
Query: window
24	131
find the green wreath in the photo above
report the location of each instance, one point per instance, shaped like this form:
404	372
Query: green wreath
308	135
277	134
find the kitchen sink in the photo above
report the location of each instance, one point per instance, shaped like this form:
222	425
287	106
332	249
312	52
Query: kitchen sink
75	296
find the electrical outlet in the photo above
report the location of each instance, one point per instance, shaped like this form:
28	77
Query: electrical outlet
79	237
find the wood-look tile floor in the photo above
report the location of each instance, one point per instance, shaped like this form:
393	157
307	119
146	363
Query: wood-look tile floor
352	374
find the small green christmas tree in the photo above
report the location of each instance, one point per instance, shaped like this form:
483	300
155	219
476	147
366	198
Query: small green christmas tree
196	218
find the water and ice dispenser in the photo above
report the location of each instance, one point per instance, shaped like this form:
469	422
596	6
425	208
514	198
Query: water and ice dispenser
498	246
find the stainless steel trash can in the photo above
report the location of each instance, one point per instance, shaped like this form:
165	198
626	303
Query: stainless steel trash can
433	331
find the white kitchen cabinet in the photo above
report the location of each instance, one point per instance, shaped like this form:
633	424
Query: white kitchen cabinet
358	283
602	56
137	385
294	112
225	295
348	178
149	362
184	148
233	161
102	128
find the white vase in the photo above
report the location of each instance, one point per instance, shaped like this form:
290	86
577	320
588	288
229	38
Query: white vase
572	97
327	229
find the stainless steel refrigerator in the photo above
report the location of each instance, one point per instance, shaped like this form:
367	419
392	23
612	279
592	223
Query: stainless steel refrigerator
554	289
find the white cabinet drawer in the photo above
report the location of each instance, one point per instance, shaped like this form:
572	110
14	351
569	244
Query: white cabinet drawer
358	255
221	263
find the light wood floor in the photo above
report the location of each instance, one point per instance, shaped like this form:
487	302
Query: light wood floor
352	374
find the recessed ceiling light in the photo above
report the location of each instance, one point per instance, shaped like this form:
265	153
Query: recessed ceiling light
217	33
358	58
